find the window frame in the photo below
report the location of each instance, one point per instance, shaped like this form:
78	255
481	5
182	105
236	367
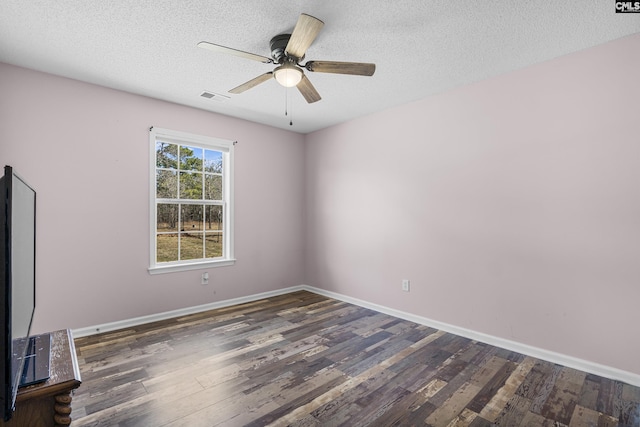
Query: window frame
205	142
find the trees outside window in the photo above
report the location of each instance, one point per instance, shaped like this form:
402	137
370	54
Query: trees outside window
191	200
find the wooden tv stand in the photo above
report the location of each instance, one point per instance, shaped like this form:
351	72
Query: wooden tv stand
49	403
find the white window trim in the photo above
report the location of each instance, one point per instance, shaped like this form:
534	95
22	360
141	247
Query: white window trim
227	148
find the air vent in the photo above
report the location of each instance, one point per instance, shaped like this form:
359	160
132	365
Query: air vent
214	96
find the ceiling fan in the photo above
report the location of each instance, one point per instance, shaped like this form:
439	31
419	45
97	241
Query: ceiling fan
288	50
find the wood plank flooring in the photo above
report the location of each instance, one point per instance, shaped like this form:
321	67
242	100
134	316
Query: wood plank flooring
302	359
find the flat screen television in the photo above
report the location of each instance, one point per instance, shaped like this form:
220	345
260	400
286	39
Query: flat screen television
17	286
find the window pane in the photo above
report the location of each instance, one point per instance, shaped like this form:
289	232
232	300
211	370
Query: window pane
192	197
191	218
212	187
213	245
191	246
212	161
190	158
166	155
213	218
167	217
166	184
167	247
190	185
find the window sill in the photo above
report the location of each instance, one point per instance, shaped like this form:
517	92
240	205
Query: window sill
193	266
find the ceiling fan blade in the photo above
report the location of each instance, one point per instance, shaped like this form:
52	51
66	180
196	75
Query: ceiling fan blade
354	68
236	52
252	83
308	91
304	33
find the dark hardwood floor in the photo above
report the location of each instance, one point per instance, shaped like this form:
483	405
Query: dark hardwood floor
306	360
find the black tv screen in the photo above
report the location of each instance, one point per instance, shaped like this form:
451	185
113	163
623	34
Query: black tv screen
17	281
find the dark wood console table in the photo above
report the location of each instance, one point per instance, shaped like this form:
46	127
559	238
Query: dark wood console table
49	403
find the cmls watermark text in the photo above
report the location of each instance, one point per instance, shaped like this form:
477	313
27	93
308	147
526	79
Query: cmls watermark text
628	7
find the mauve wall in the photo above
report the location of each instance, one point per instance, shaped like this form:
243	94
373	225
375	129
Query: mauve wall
85	149
512	205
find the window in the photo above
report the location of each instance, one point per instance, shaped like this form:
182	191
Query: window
191	201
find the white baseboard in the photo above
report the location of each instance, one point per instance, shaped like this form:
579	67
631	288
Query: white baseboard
550	356
539	353
127	323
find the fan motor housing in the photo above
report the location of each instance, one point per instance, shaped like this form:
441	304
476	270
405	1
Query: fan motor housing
278	46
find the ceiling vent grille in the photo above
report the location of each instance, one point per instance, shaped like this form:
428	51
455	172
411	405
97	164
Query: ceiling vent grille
214	96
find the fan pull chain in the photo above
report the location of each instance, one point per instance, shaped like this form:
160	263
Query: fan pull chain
291	115
286	106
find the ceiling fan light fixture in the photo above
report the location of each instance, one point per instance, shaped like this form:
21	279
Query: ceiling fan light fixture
287	51
288	75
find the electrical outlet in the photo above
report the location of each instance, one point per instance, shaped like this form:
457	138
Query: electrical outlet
205	278
405	285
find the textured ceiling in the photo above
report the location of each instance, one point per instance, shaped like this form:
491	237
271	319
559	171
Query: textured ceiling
420	47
